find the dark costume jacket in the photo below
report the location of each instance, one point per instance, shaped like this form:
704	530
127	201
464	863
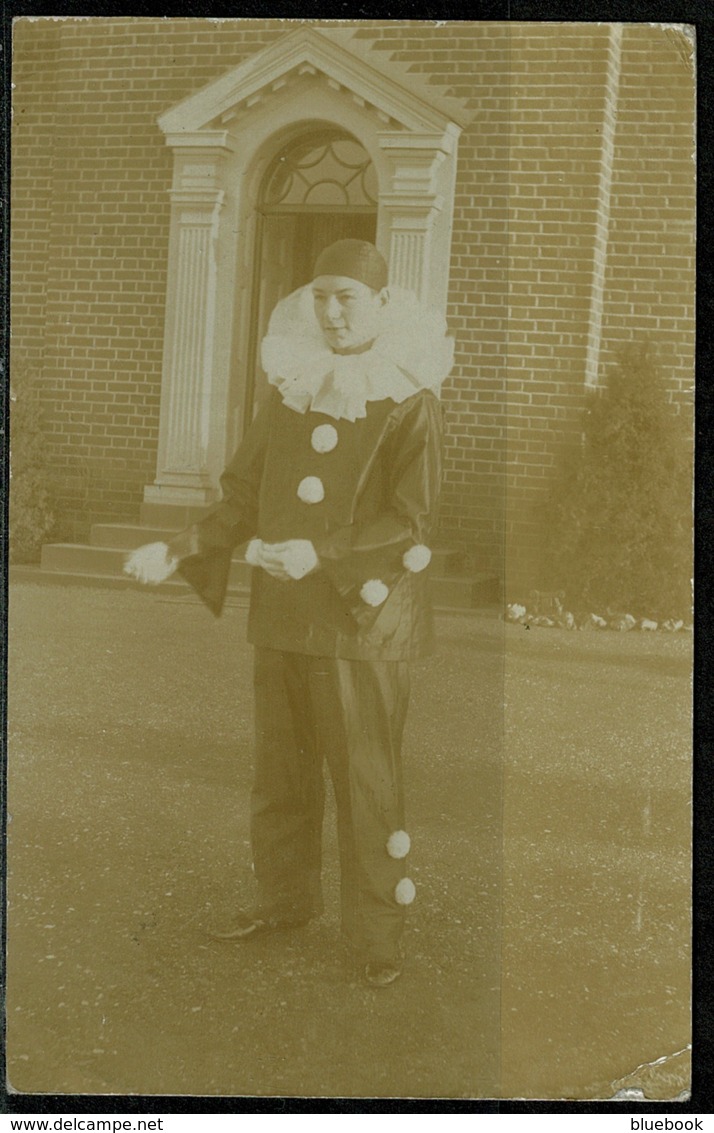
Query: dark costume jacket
364	492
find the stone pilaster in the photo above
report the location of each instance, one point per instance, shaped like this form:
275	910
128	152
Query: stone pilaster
609	126
412	209
182	475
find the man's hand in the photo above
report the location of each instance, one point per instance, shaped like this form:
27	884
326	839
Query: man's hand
150	564
285	561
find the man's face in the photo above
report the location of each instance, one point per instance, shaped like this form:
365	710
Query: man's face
348	311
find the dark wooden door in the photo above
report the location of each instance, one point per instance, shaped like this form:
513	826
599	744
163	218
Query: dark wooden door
289	244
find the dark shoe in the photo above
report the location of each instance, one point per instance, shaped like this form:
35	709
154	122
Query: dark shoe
249	925
382	975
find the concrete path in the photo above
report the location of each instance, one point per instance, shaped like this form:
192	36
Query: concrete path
548	792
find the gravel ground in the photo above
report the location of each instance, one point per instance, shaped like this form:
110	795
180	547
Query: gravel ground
548	778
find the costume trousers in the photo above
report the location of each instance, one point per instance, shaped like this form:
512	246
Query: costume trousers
350	715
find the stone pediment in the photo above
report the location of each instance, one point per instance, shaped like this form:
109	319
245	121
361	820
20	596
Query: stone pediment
308	56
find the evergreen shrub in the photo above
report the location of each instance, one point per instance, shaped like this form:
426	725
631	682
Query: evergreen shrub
620	513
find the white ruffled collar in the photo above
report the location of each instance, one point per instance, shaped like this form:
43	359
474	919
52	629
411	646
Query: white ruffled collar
410	353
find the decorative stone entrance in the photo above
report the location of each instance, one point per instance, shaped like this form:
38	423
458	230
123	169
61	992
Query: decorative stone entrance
226	140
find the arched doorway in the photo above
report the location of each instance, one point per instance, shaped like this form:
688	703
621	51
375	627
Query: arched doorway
223	277
320	187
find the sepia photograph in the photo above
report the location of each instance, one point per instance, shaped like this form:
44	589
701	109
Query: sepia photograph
350	601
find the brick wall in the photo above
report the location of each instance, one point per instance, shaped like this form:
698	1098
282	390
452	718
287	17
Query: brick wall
558	99
90	232
650	261
98	323
601	226
34	74
475	458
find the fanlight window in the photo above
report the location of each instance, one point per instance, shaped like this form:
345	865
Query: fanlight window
321	171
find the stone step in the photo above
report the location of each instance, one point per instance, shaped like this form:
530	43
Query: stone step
173	586
467	593
448	594
84	559
88	560
126	536
102	565
169	515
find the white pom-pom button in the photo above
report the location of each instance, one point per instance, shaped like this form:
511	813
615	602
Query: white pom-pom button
324	438
417	558
374	592
405	891
398	844
310	490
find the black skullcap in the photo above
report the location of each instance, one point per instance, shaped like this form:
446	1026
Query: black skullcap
356	259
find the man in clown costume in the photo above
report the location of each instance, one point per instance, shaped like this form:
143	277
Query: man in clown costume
334	489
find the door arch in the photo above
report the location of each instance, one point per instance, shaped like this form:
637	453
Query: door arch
224	138
320	186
